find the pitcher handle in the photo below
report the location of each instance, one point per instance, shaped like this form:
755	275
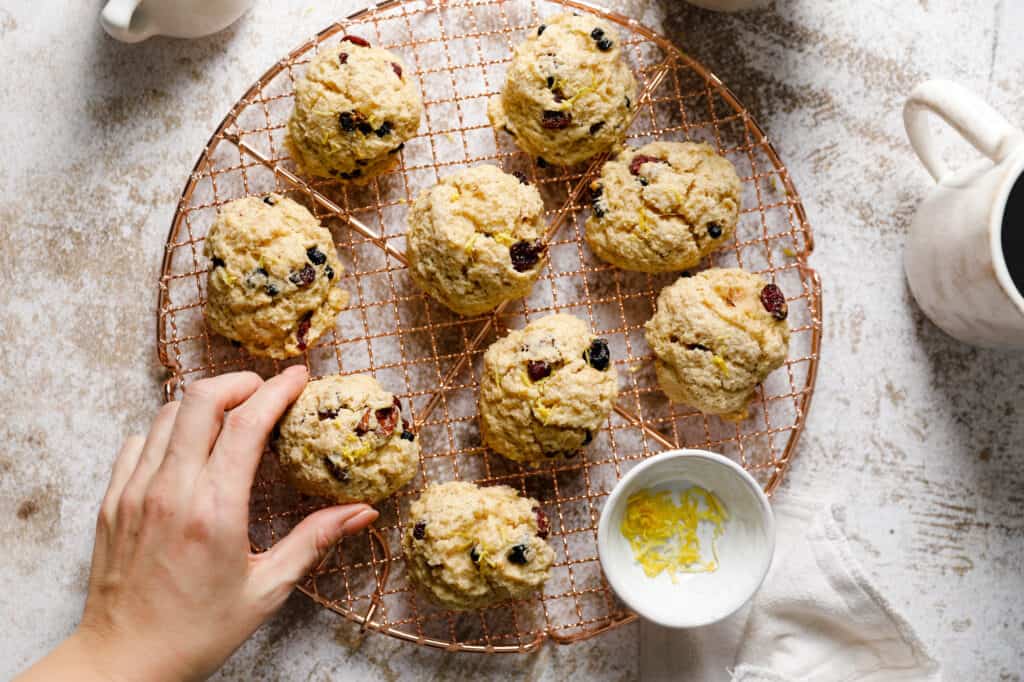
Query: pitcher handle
122	20
965	112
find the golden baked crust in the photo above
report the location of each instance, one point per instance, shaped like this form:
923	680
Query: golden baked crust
468	547
475	239
715	341
663	207
531	414
273	285
568	94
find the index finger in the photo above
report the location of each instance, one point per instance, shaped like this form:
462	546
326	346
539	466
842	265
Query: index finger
247	427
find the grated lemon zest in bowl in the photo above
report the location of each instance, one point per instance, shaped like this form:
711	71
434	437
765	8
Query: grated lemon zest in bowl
663	533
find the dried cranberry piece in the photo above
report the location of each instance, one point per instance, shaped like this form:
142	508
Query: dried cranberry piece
304	276
323	415
419	531
355	40
347	121
551	82
604	44
521	177
714	230
365	128
329	272
598	356
408	435
397	69
316	256
384	130
556	120
387	418
559	95
542	523
596	127
525	254
364	423
774	301
597	34
540	29
641	159
218	262
337	472
538	369
343	57
300	334
517	555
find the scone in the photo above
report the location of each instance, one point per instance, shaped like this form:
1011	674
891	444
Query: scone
345	439
545	390
469	547
272	287
716	336
663	207
568	94
474	239
354	109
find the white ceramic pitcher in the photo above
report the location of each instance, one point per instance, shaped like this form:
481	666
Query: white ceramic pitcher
131	21
954	256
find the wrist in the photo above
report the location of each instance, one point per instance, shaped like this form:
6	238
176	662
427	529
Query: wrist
112	658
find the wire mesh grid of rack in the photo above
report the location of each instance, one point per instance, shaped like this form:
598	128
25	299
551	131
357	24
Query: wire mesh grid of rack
458	50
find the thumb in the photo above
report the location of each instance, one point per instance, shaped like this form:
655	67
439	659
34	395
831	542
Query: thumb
296	555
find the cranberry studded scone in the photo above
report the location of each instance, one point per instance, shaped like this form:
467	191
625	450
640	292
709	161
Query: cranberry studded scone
568	94
716	336
663	207
474	239
345	439
272	287
355	107
545	390
469	547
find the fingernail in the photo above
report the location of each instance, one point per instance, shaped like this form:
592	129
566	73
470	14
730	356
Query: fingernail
357	522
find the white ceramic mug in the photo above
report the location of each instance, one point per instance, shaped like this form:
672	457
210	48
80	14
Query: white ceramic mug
954	256
131	21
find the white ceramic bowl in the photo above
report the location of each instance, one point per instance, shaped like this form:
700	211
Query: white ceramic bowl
744	549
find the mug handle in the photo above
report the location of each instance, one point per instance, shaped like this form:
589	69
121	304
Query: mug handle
122	21
965	112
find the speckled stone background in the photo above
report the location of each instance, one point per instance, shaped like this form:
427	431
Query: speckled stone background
920	437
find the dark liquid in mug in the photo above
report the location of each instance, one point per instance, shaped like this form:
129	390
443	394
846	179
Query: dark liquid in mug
1013	234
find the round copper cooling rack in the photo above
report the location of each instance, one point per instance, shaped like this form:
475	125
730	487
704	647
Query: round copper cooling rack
458	50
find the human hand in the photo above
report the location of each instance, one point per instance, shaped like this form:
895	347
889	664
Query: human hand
174	589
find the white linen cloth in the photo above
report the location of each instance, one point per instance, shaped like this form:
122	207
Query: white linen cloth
817	617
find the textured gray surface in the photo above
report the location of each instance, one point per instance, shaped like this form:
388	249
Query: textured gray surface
920	437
